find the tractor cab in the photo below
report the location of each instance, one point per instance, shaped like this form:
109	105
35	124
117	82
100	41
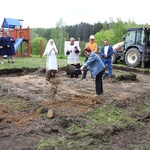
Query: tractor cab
137	37
136	48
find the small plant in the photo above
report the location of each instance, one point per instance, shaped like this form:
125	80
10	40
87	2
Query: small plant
44	143
15	104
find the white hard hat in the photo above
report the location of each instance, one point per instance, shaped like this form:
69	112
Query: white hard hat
91	37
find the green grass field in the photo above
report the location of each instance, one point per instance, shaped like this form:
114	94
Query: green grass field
33	62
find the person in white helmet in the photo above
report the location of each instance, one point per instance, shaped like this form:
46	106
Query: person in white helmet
94	48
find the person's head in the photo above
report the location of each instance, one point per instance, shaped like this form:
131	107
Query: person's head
91	38
87	51
72	41
51	41
106	43
8	34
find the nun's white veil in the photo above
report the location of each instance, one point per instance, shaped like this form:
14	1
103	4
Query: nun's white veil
49	47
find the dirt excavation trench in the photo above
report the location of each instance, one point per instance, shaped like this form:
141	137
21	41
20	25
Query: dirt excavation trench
26	97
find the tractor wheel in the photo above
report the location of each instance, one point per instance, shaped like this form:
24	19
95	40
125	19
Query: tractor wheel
133	57
113	58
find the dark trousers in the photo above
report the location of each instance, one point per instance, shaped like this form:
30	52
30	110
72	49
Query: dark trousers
98	83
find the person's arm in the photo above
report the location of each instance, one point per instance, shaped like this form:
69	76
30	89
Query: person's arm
111	51
77	49
55	49
102	52
96	49
88	62
67	52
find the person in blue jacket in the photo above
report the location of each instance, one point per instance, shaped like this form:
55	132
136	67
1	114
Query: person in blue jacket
9	50
96	67
106	53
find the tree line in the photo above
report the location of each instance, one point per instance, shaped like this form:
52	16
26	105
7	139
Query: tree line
113	31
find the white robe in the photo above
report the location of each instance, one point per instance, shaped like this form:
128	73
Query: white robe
51	62
73	58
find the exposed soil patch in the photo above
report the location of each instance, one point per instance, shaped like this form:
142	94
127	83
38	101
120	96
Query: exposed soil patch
26	97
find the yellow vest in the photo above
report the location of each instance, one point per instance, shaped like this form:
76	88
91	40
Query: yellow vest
92	46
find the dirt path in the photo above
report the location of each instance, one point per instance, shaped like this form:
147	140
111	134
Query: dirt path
23	98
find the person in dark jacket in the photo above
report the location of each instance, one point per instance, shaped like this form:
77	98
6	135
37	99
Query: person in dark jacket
96	67
2	48
106	53
10	50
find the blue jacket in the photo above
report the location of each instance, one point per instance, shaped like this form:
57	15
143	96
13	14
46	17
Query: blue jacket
110	52
94	64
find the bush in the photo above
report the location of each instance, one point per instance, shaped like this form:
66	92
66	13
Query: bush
35	45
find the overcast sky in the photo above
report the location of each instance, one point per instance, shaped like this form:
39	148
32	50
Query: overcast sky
46	13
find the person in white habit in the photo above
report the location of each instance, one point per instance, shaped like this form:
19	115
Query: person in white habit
73	51
51	62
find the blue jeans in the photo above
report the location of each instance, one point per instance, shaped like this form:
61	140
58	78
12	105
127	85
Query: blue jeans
109	65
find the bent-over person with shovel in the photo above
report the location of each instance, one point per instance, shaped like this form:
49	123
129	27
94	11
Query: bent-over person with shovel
96	67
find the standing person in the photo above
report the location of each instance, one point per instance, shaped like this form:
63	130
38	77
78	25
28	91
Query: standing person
10	50
96	67
93	46
106	53
73	51
51	62
2	48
